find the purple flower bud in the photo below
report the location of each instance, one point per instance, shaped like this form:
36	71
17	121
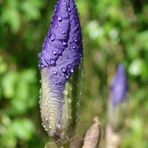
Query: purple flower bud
60	56
119	86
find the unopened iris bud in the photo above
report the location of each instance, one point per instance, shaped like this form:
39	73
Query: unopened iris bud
60	57
119	86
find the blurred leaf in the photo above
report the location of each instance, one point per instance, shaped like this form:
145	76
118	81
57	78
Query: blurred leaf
8	84
23	128
136	67
8	139
11	17
95	32
24	98
30	9
142	40
3	65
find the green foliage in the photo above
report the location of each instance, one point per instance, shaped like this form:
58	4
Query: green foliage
114	31
15	13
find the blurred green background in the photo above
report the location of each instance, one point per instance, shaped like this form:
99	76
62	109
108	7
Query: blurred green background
114	31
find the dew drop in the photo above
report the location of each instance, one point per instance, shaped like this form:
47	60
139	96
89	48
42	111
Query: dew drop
76	40
39	65
60	18
43	125
56	25
54	52
55	72
67	76
52	37
74	47
71	70
81	55
46	46
63	32
58	126
69	9
60	52
52	61
51	133
63	70
64	43
42	66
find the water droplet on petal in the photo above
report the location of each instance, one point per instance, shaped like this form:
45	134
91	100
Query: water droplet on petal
76	40
55	72
69	9
54	52
60	18
63	70
81	55
52	37
71	70
74	47
64	43
63	32
67	76
52	61
56	25
43	125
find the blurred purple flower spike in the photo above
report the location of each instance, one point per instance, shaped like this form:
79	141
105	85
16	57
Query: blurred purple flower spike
119	86
60	56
